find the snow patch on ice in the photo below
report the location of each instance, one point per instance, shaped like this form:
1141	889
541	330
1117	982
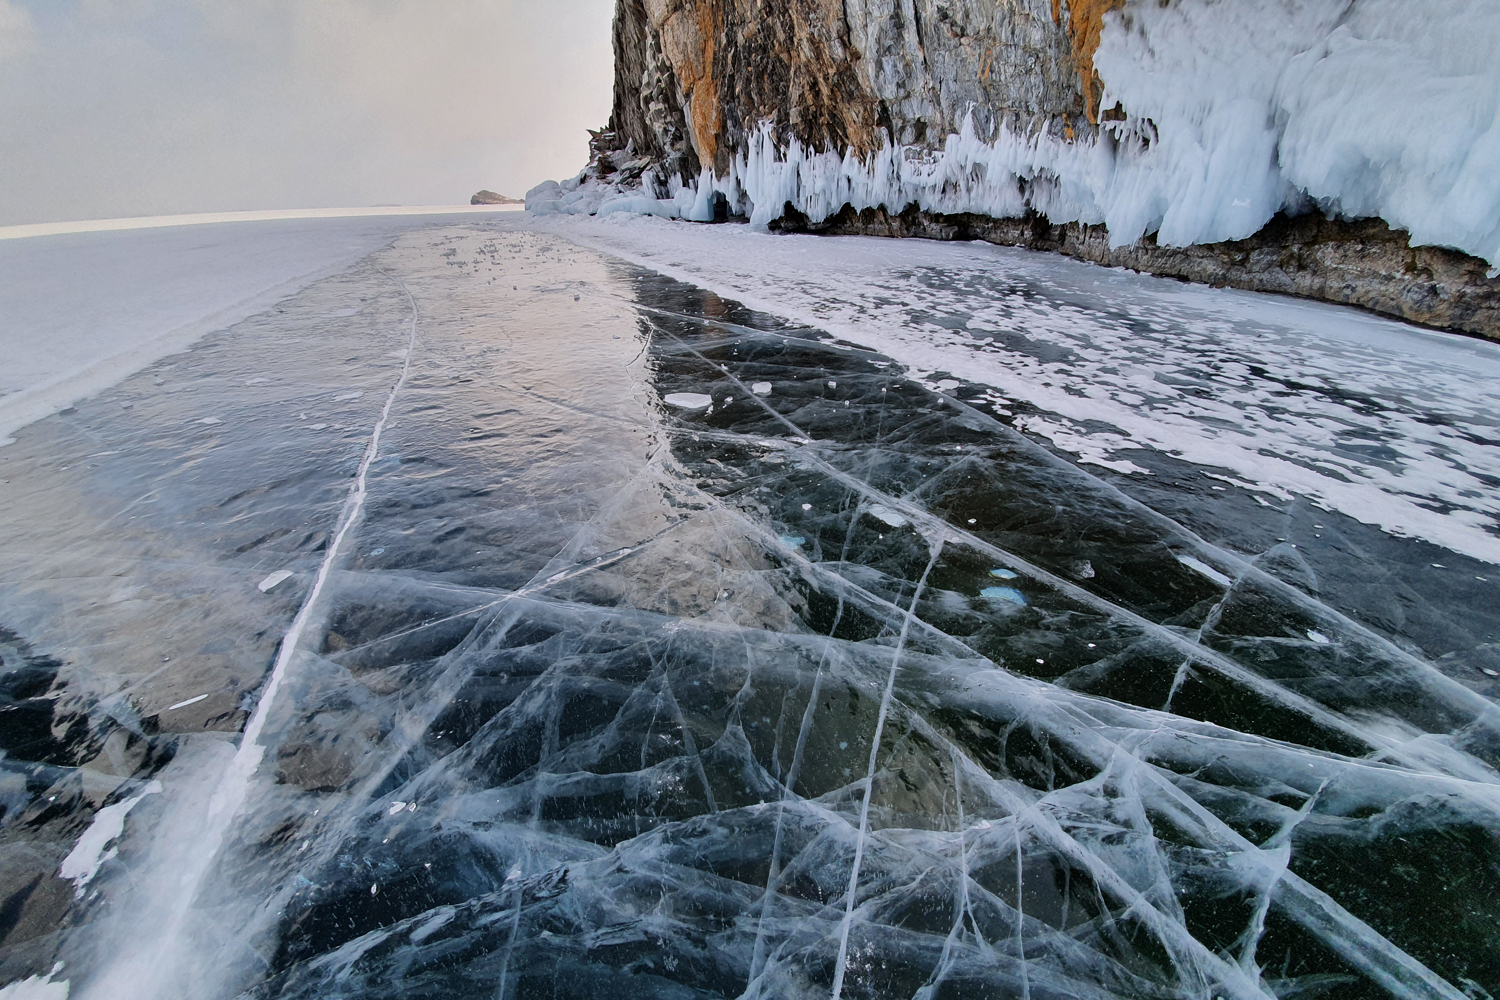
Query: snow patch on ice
275	580
688	400
1111	366
83	862
36	988
885	514
1205	569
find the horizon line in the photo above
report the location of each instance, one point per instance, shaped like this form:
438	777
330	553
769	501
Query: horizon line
30	229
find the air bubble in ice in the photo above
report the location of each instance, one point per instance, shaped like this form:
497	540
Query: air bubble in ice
1009	594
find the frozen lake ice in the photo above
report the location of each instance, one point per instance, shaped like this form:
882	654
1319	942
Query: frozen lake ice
550	608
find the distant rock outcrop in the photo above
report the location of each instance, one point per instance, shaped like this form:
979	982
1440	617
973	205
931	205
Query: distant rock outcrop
491	198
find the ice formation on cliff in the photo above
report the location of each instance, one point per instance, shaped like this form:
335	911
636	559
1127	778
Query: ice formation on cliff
1231	113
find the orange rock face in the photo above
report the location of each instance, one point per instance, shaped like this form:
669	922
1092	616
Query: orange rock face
1085	24
689	31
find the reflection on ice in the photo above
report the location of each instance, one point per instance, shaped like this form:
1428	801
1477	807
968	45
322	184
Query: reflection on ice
845	688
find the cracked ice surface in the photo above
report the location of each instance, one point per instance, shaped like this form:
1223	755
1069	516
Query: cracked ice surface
845	687
1388	424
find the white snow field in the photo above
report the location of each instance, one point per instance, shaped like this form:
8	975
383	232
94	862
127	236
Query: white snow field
83	304
626	608
1233	111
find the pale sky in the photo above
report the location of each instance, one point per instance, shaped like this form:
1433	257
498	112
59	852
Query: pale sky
147	107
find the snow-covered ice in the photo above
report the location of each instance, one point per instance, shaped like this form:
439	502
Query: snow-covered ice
87	303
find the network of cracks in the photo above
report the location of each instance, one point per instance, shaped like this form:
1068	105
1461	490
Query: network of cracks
678	652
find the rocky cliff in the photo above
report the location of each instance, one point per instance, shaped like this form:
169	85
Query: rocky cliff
1340	149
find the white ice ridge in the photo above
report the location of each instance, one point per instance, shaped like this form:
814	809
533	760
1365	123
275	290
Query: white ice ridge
841	963
1233	112
232	787
247	760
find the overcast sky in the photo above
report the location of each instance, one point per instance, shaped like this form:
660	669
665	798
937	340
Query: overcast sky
144	107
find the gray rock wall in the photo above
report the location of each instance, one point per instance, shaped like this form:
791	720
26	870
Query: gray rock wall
693	77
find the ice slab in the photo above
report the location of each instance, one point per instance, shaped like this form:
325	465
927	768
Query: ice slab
688	400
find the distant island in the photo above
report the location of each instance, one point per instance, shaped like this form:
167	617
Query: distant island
491	198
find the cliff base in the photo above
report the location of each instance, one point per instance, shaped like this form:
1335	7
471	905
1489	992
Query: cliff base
1363	263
